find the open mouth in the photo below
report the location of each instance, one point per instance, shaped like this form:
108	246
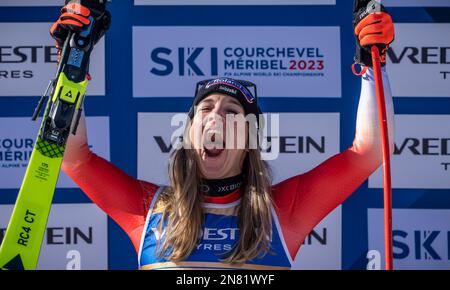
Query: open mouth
213	153
214	145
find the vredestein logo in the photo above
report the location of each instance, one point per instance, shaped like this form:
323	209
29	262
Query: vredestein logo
425	147
421	156
25	54
75	233
288	144
301	144
424	55
28	59
64	235
321	248
211	239
238	61
317	237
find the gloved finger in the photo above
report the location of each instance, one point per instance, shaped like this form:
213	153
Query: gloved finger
386	36
71	24
374	39
80	18
55	28
372	29
57	32
76	8
372	18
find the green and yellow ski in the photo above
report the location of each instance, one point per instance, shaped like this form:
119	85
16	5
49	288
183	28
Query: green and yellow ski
23	238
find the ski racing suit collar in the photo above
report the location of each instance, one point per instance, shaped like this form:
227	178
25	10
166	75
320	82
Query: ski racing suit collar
223	190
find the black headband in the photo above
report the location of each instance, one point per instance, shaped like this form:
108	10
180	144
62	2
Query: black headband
238	89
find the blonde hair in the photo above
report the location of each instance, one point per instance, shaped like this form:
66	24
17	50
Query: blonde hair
185	216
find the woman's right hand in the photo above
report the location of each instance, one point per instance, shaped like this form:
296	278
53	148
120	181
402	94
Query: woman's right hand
76	17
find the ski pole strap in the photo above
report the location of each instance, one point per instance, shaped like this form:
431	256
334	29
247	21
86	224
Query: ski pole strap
361	72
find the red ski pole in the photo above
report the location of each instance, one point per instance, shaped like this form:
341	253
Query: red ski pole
386	157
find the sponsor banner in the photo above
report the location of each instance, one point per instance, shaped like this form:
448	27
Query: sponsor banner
306	140
420	66
421	238
154	146
313	139
28	60
76	237
282	61
32	3
16	147
422	153
413	3
234	2
322	248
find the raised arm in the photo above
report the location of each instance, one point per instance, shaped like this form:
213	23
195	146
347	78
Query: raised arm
304	200
122	197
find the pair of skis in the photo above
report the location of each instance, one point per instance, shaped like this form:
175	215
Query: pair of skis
23	238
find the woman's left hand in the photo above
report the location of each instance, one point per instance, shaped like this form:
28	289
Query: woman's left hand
375	28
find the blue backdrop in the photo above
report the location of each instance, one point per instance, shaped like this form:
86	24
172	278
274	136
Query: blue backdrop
122	108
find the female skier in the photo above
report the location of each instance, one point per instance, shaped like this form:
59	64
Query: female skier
220	209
